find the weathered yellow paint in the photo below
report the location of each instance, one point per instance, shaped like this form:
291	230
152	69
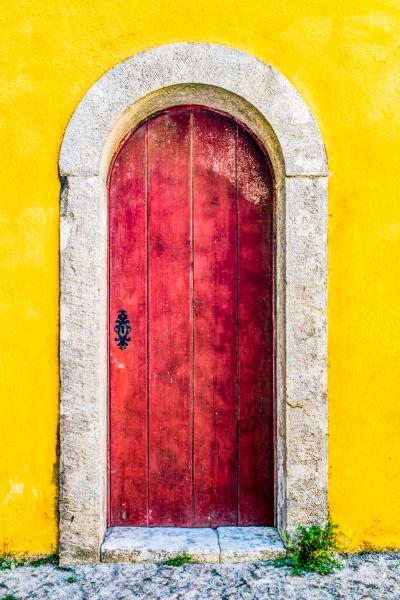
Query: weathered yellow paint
343	57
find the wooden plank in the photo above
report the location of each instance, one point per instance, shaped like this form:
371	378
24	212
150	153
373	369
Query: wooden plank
214	187
255	334
170	337
127	282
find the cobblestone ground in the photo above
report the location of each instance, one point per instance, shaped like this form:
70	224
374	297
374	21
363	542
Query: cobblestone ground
367	576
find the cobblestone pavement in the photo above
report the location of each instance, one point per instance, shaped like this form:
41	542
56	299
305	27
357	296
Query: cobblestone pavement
366	576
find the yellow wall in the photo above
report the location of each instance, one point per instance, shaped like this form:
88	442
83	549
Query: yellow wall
344	59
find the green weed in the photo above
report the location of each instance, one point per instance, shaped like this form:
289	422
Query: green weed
179	560
8	562
51	559
312	549
71	579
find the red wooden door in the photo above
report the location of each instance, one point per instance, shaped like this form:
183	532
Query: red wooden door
191	269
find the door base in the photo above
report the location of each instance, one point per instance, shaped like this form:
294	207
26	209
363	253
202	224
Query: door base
224	544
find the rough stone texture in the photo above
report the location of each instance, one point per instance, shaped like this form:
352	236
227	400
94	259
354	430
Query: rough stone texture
157	544
367	577
83	368
301	207
244	75
306	344
245	544
225	544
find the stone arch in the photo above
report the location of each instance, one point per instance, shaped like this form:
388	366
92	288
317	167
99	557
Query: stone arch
260	97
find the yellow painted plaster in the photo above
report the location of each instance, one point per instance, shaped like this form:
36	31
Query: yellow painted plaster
343	57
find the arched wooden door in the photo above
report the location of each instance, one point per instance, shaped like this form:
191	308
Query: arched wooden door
191	269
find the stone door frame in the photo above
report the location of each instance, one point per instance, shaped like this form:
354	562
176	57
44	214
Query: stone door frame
260	97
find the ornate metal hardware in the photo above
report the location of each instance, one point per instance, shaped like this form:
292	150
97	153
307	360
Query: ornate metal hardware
122	329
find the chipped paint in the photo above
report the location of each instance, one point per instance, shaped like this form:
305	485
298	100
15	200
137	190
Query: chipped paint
16	489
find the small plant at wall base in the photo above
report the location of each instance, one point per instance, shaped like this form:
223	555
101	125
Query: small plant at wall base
312	549
51	559
9	562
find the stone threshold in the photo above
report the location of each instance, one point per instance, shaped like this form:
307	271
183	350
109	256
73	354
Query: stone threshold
221	545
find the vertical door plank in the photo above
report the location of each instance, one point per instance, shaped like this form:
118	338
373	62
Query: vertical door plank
127	282
170	328
255	337
214	188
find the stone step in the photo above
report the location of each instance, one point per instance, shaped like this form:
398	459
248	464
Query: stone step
224	544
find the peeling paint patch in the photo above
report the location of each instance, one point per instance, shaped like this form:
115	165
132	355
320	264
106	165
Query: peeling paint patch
30	313
16	489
